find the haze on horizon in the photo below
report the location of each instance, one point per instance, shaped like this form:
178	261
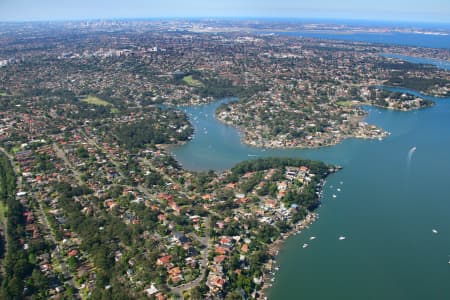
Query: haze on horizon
411	11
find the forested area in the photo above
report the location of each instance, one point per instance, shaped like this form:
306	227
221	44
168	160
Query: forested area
20	276
306	198
158	127
417	83
100	244
316	167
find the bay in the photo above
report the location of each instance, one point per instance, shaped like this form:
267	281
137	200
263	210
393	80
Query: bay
387	207
216	146
441	64
391	199
388	38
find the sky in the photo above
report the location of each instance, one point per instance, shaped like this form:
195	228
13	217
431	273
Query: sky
432	11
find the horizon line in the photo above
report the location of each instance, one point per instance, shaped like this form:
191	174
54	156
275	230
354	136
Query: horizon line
254	18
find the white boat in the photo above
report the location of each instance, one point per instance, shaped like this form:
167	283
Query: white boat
434	231
338	189
334	196
305	245
341	238
312	238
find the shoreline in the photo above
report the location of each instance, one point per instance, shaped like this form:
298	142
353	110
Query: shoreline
331	144
269	273
422	93
272	144
275	248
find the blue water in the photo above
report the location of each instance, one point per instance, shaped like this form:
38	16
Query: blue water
219	147
442	64
390	200
387	207
391	38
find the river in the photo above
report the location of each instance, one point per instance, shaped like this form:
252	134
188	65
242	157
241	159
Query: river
386	38
390	200
442	64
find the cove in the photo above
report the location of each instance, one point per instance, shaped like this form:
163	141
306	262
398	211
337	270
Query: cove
216	146
387	207
441	64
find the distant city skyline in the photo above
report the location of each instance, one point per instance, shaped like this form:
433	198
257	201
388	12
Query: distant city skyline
431	11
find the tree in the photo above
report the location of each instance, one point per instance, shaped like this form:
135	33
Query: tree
196	293
39	281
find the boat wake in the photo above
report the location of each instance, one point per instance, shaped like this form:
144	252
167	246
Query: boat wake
410	155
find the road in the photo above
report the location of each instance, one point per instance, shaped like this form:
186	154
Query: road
117	165
113	161
178	290
43	219
204	241
47	228
60	154
5	223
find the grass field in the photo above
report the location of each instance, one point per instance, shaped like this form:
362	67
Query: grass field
345	103
95	100
191	81
15	149
2	93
